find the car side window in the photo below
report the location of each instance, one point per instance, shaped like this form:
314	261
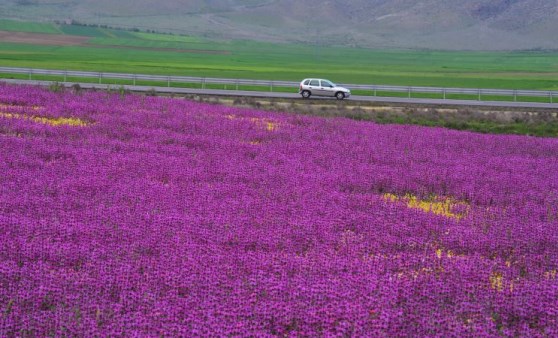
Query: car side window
315	83
327	84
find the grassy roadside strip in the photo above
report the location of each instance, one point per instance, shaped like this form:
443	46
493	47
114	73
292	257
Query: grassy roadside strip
514	121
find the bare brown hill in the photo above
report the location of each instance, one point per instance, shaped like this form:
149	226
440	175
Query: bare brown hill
43	39
72	40
430	24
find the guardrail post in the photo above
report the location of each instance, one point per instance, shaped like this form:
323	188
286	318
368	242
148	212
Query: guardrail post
515	96
374	91
551	98
100	78
135	79
409	92
168	81
444	93
203	83
479	95
236	84
271	86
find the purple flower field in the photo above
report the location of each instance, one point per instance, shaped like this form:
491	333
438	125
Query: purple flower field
147	216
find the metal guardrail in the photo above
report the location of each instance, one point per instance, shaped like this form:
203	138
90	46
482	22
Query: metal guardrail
235	83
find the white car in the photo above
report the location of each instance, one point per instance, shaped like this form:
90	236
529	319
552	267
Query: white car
321	87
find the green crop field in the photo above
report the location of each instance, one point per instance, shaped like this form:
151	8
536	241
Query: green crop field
110	50
30	27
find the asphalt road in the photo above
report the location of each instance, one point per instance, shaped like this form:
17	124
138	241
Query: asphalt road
295	96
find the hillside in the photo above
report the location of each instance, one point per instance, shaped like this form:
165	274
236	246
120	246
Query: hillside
430	24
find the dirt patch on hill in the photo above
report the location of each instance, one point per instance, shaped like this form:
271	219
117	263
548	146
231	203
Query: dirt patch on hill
175	50
73	40
43	39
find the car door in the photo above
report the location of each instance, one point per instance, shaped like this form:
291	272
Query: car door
327	88
314	87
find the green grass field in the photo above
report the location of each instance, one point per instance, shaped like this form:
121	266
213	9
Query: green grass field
112	50
29	27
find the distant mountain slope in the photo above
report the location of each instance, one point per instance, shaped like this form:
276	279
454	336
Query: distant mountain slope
431	24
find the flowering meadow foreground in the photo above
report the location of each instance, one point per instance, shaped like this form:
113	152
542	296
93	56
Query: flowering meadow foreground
146	216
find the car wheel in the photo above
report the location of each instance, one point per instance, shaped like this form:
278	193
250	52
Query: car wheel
305	94
340	95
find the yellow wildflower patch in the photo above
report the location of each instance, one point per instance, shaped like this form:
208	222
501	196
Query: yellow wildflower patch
436	205
550	274
11	134
441	252
497	281
53	121
3	106
391	197
268	124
